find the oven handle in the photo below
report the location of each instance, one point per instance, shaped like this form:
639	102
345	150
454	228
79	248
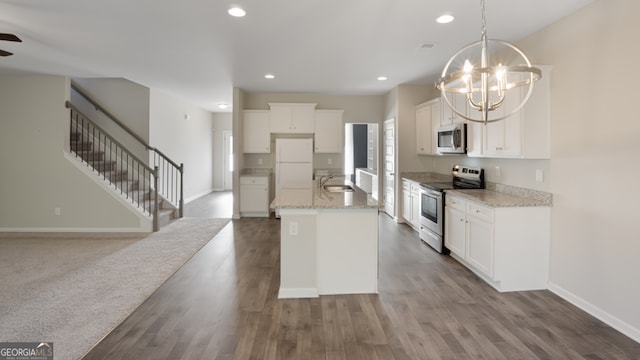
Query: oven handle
433	193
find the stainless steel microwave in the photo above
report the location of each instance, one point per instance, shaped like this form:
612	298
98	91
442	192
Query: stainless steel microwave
452	139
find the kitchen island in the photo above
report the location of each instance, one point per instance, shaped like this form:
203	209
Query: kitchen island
328	242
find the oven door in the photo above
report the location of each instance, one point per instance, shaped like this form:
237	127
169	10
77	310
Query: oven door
431	209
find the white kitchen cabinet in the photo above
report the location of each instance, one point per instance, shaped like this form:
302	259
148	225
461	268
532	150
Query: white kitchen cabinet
292	118
448	116
257	138
525	134
427	119
411	203
508	247
328	131
455	226
254	196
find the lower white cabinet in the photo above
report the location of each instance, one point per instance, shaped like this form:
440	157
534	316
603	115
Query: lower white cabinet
254	196
411	203
508	247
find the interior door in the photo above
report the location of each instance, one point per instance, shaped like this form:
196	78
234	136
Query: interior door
389	140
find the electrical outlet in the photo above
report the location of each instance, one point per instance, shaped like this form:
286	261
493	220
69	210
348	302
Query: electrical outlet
259	161
293	228
539	175
498	171
329	161
57	211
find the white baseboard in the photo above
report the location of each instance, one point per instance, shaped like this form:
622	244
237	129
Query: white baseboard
74	230
297	293
614	322
197	196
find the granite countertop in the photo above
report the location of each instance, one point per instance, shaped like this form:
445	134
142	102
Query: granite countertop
316	198
425	177
499	199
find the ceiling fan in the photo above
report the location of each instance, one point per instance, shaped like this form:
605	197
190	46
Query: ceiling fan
8	37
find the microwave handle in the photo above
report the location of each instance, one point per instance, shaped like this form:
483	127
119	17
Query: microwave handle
455	138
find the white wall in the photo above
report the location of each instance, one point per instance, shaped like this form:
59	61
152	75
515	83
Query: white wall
188	141
594	169
36	177
126	100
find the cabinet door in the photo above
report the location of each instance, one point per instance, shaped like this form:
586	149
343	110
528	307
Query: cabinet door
257	138
280	118
328	131
302	118
455	231
503	138
415	205
448	116
254	199
480	244
423	130
406	205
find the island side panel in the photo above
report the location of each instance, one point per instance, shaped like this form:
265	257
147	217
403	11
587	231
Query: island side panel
347	246
297	254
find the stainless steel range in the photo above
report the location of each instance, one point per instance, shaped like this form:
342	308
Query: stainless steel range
432	203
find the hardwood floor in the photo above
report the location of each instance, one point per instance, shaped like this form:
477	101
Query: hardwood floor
223	304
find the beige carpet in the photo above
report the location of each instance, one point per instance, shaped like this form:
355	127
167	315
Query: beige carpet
73	289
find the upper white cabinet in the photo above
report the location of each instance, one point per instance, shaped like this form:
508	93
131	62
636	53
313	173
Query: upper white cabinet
292	117
427	121
257	138
328	131
525	134
448	116
507	246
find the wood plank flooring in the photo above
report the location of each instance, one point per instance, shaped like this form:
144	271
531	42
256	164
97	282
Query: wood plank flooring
223	304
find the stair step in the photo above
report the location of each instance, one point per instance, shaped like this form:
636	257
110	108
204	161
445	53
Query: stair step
104	165
126	185
83	146
90	155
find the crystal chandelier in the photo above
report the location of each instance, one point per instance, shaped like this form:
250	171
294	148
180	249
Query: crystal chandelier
485	76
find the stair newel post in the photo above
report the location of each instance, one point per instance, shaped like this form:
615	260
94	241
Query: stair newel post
181	190
155	198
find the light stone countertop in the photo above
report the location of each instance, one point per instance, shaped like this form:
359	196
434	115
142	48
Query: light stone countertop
498	199
425	177
319	199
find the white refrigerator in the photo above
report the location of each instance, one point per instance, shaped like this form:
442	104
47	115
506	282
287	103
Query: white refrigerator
294	164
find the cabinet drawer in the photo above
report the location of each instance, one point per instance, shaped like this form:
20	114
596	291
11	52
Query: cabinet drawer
406	185
456	203
254	180
479	211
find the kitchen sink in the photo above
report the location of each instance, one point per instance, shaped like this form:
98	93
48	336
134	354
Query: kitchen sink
337	188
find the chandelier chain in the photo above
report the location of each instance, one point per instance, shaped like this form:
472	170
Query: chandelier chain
484	20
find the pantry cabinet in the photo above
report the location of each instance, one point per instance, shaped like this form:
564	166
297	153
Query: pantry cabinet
427	122
508	247
328	131
257	138
292	118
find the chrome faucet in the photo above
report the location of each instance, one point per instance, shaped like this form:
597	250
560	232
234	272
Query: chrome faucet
324	179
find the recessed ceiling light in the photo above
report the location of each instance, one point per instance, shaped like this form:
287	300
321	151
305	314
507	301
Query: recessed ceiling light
269	76
223	106
237	12
445	19
382	78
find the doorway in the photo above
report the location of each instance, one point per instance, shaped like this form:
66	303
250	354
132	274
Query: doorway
227	173
389	139
361	152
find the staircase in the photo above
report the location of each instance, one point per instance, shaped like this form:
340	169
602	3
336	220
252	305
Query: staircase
156	189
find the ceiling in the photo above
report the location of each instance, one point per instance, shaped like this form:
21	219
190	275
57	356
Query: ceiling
194	50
